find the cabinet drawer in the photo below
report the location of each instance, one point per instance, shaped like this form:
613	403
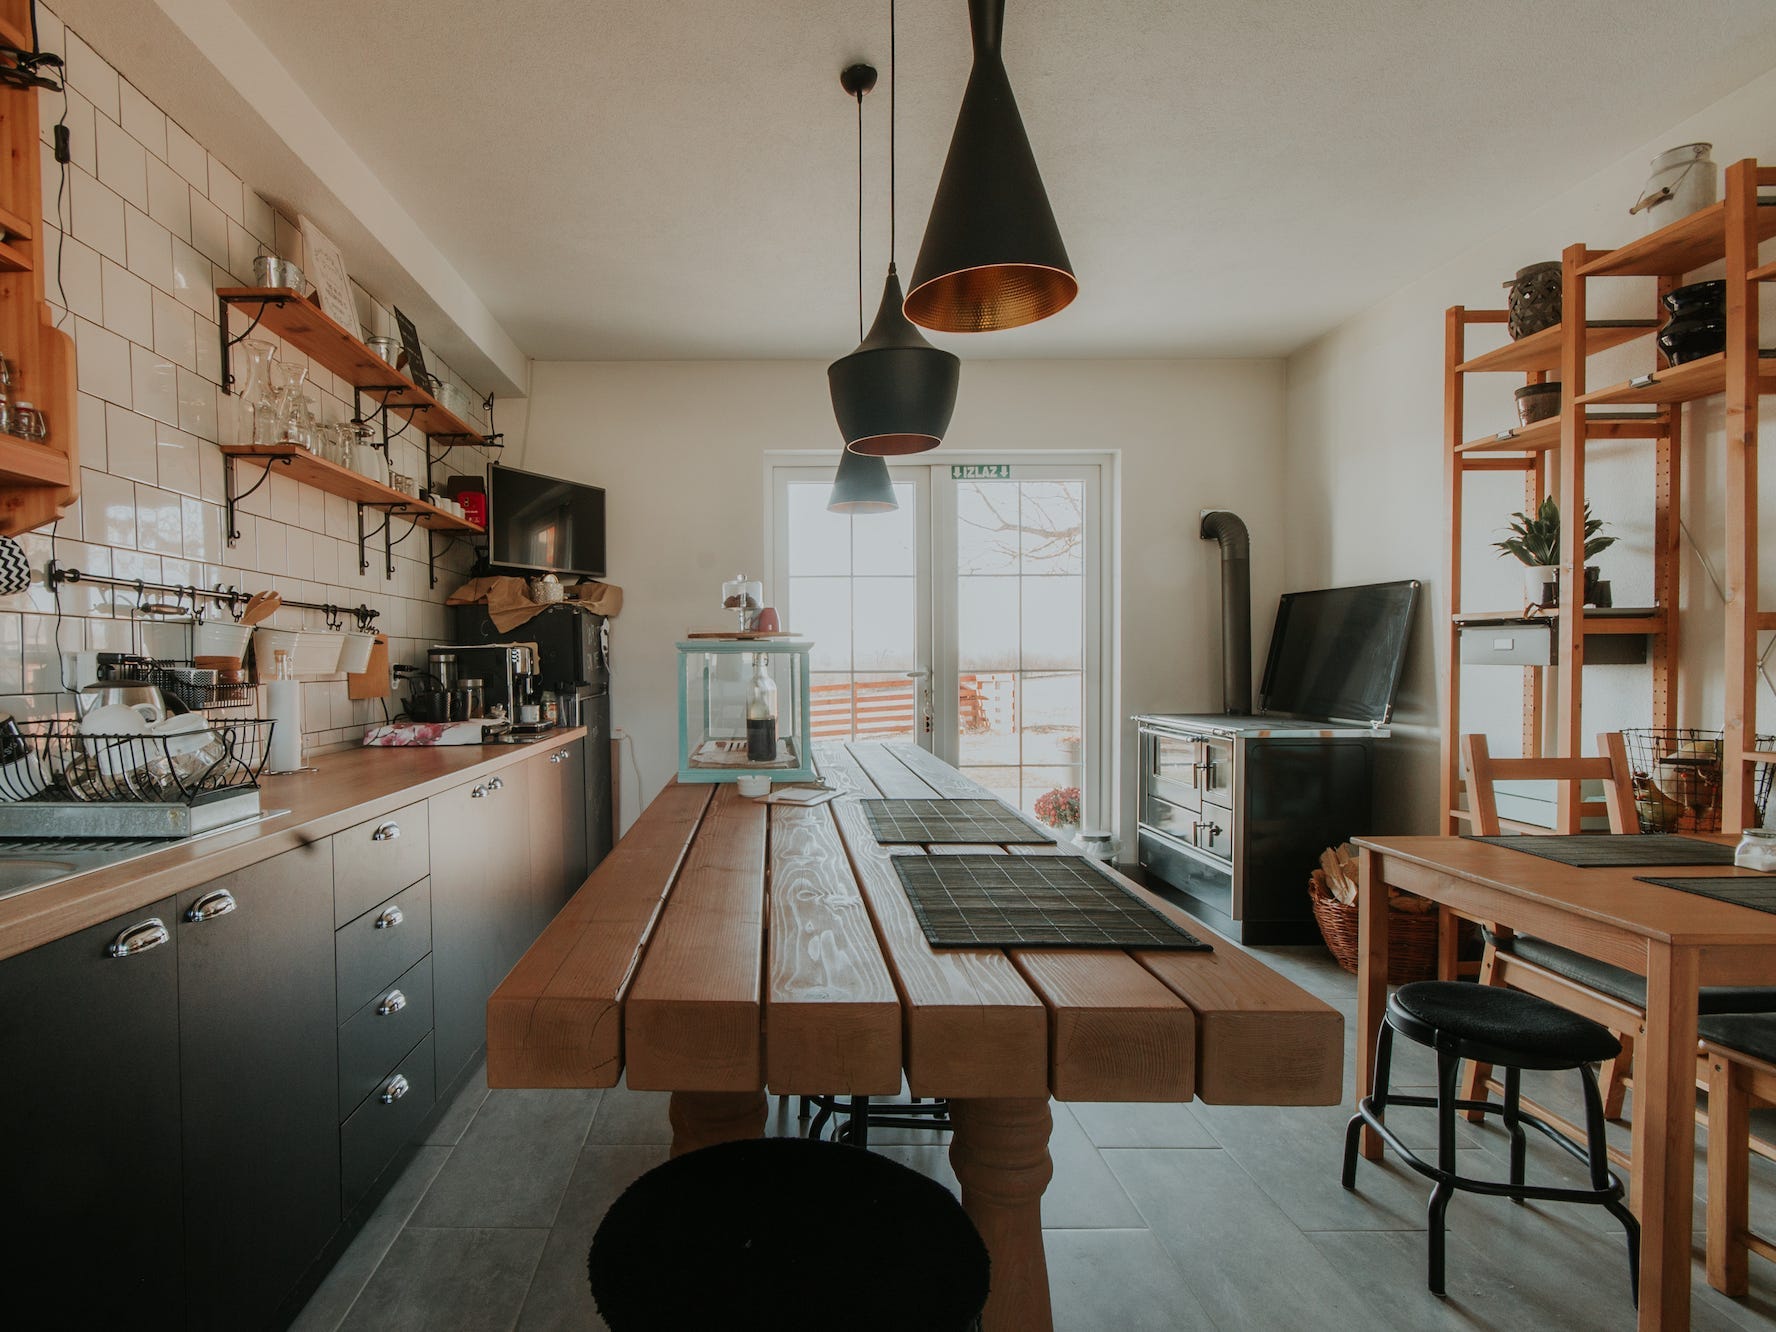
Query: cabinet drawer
385	1123
382	944
373	1039
377	858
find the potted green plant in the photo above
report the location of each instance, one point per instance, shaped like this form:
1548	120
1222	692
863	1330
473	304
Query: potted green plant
1534	539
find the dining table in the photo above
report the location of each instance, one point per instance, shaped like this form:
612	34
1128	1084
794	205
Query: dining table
1679	940
731	948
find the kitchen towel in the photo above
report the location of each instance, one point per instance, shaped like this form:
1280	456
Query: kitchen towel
509	604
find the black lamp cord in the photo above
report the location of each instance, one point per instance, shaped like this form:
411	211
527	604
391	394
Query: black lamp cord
860	216
893	71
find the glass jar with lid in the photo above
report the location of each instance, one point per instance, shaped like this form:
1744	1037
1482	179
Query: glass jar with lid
1756	850
744	596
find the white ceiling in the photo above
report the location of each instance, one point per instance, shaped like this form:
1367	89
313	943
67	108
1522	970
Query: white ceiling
632	179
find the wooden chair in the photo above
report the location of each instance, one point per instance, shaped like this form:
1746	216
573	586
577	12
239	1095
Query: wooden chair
1605	994
1739	1054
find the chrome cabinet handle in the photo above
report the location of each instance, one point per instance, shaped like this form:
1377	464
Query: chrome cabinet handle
386	832
479	793
497	784
390	918
554	758
396	1089
139	938
393	1002
211	905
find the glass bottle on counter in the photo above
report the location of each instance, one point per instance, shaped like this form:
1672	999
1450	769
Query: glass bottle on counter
761	714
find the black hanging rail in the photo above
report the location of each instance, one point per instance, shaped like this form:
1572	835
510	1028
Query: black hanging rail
230	598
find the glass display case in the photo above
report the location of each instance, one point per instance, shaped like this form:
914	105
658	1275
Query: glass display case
744	709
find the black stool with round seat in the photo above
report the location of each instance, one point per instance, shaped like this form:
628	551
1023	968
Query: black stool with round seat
721	1238
1512	1031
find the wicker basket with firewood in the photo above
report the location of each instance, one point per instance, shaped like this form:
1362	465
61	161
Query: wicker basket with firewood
1412	921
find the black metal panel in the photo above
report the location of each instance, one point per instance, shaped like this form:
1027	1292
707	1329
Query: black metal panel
90	1116
1300	796
1190	874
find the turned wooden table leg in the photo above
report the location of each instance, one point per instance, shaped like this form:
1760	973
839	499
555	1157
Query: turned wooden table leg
703	1119
999	1150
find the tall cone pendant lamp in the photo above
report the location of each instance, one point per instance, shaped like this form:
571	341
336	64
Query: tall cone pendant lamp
992	256
895	394
862	485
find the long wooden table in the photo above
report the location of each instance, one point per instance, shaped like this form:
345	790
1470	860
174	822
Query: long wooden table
1678	941
727	948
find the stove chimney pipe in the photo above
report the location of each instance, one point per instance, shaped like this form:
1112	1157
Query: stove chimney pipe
1225	527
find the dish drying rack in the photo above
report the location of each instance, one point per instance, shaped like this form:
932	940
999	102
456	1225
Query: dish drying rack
198	689
70	783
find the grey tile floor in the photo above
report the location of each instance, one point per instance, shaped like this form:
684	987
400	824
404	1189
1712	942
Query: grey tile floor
1159	1216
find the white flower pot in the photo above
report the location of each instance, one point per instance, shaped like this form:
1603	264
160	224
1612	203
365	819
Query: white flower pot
1536	578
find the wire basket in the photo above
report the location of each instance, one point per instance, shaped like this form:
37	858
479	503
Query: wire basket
1677	778
193	687
62	763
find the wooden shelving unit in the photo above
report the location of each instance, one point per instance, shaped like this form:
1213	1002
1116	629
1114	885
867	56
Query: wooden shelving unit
38	480
287	314
312	470
1551	456
306	327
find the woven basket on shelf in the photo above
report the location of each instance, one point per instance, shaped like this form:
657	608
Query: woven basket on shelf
1412	937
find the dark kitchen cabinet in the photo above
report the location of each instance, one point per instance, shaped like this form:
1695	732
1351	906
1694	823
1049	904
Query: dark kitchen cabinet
89	1177
557	829
484	912
259	1071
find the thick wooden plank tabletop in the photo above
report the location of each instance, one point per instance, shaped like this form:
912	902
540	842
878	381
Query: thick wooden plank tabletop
729	946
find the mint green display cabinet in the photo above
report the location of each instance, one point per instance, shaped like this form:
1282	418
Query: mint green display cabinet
714	681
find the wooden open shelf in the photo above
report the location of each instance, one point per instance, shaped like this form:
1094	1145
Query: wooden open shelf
1763	272
1541	351
14	261
315	471
14	225
306	327
23	463
1540	436
1680	247
1680	383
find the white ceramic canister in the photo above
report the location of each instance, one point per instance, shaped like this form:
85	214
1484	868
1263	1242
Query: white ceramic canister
1684	179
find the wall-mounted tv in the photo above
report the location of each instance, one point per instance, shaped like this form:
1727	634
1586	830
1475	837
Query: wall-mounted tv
544	523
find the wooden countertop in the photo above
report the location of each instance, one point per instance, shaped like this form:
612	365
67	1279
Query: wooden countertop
351	786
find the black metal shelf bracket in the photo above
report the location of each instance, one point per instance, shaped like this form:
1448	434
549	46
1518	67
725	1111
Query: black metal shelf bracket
232	498
434	551
228	343
365	536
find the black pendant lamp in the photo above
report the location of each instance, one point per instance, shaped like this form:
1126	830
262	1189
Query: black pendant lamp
896	393
992	256
862	485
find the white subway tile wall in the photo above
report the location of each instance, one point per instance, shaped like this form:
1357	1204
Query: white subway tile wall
145	227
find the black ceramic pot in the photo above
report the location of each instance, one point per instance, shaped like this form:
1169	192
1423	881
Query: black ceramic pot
1693	337
1696	299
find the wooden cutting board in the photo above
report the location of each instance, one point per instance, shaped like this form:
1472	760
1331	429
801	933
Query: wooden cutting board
736	634
373	680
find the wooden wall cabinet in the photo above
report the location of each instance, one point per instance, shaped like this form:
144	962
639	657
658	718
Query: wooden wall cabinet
38	481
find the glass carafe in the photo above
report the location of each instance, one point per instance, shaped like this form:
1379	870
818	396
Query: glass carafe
258	396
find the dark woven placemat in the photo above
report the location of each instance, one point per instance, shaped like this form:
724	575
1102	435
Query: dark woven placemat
1757	891
934	822
1607	850
1030	901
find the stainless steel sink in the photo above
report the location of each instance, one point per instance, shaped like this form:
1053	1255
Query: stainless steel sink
16	875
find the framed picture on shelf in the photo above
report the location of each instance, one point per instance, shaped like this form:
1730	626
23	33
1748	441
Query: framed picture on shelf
416	366
325	267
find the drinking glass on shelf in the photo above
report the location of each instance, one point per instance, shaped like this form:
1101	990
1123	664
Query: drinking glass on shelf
28	423
258	396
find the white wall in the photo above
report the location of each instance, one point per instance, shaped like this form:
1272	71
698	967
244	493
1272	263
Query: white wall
680	447
1365	462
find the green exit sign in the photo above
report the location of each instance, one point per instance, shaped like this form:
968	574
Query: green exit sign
980	471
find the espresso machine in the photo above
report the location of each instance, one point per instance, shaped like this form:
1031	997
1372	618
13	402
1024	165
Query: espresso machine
492	680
